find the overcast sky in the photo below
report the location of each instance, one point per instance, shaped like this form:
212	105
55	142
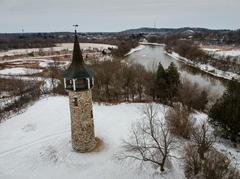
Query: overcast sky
116	15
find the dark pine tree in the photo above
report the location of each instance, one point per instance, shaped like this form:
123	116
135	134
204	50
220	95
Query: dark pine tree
161	83
202	101
225	113
173	80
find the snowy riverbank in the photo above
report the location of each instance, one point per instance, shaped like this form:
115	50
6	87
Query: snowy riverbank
140	47
205	67
149	43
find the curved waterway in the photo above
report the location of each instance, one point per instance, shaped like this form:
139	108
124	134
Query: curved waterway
151	55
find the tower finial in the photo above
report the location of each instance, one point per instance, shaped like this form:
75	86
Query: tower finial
75	25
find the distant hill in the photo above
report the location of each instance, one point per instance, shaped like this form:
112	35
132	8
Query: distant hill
147	30
142	30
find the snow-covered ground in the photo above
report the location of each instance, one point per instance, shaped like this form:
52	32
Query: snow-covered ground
19	71
45	62
36	144
6	101
225	53
231	53
206	67
85	46
222	145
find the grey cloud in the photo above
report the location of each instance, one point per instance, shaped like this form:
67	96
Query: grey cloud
115	15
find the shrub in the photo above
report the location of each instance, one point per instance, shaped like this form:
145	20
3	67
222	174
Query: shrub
214	166
179	121
191	95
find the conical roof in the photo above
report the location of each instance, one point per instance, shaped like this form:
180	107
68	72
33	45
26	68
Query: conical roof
77	68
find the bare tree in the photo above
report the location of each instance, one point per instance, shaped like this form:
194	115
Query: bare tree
193	96
54	74
203	139
140	78
150	140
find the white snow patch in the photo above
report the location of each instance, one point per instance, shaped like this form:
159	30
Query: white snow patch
231	53
226	53
45	63
140	47
211	49
19	71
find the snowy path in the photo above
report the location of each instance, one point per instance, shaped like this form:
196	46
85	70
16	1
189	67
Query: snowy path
36	141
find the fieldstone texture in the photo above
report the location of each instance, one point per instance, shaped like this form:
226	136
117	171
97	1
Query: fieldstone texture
82	126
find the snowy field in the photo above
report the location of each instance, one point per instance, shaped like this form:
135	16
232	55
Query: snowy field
19	71
226	53
84	46
59	47
36	144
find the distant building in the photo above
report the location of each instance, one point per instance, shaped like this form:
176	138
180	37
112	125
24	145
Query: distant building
78	81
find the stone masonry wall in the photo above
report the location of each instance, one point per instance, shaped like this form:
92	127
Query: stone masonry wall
82	126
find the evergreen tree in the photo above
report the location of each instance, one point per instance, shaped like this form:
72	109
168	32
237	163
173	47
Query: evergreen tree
161	82
202	101
173	80
225	113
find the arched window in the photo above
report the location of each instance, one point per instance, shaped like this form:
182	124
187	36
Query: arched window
91	114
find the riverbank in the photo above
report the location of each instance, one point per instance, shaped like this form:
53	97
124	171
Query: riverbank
140	47
205	67
149	43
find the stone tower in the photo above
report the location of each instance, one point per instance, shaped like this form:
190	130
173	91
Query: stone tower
78	81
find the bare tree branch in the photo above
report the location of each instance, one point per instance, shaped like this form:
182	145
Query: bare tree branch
150	139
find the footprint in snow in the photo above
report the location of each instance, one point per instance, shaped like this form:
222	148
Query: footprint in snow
29	127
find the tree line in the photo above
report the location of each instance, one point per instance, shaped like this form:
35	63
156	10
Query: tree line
19	94
117	81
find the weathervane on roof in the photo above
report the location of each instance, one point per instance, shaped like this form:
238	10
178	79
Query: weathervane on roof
75	26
